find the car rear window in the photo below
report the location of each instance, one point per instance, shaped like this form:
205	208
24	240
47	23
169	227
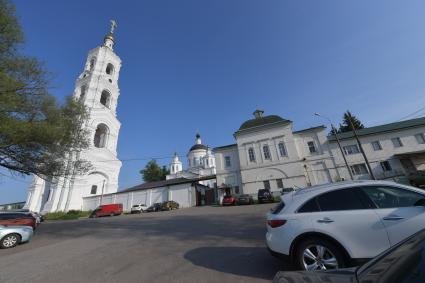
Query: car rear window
310	206
278	208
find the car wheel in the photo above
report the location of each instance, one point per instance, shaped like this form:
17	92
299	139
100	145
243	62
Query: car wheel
319	254
10	241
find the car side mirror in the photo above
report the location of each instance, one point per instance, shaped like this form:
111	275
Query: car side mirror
420	202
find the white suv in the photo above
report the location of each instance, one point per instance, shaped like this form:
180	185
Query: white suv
138	208
336	225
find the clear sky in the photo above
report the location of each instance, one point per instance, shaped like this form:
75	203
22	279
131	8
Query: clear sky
195	65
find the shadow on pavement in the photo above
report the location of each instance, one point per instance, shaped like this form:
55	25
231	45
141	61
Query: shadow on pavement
253	262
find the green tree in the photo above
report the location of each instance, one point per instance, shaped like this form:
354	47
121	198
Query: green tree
153	172
346	127
36	133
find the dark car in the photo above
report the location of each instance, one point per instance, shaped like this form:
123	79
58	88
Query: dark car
265	195
417	179
169	205
230	200
405	262
154	207
245	199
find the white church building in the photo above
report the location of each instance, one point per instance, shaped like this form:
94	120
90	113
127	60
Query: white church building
97	87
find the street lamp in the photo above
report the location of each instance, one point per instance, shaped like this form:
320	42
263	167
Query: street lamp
334	131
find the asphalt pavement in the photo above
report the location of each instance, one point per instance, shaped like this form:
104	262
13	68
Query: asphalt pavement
199	244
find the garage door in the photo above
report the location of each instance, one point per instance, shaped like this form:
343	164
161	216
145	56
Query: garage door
181	196
140	198
159	195
123	199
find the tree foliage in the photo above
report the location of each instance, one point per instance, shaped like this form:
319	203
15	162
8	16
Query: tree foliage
36	133
346	126
153	172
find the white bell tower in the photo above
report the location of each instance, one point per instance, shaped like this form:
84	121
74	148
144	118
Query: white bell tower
96	87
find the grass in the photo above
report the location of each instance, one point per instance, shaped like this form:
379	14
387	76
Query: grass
72	214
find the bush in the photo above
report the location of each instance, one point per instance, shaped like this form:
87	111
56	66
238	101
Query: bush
72	214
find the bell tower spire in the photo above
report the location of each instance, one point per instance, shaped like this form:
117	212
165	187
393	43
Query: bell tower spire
109	38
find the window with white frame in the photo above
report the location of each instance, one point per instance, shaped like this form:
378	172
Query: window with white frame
359	169
279	183
397	142
93	190
376	145
282	149
386	166
420	138
227	162
266	152
311	147
351	149
251	154
266	184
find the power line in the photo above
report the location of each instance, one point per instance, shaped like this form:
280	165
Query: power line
413	113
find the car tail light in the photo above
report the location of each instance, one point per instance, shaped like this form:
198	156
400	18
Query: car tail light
276	223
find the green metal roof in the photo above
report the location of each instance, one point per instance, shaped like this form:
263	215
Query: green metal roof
225	146
262	121
381	128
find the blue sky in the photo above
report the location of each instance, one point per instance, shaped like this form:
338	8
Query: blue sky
195	65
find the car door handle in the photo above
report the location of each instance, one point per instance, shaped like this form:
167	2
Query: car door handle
393	217
325	220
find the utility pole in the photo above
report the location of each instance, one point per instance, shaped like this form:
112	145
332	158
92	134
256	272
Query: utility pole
101	196
361	148
334	131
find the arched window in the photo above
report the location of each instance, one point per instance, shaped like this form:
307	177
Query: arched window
105	98
82	92
251	154
101	135
92	62
266	151
110	69
282	149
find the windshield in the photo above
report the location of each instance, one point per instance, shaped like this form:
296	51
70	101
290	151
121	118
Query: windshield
404	262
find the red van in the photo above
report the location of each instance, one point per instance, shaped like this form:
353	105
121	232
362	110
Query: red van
107	210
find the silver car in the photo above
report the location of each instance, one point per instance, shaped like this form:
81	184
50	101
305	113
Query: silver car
11	236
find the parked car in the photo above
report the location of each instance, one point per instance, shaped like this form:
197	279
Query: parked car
169	205
265	195
417	179
14	235
154	207
245	199
139	208
18	219
230	200
107	210
340	224
402	263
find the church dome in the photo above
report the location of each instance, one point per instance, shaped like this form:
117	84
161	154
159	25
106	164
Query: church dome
261	120
198	144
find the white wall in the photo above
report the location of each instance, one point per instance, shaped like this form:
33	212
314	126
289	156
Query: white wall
182	193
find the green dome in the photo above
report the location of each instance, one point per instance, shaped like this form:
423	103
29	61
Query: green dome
261	121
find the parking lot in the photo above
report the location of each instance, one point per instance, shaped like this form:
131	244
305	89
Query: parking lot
200	244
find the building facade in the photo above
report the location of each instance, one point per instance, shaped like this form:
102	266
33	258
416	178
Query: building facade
393	150
96	87
269	154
